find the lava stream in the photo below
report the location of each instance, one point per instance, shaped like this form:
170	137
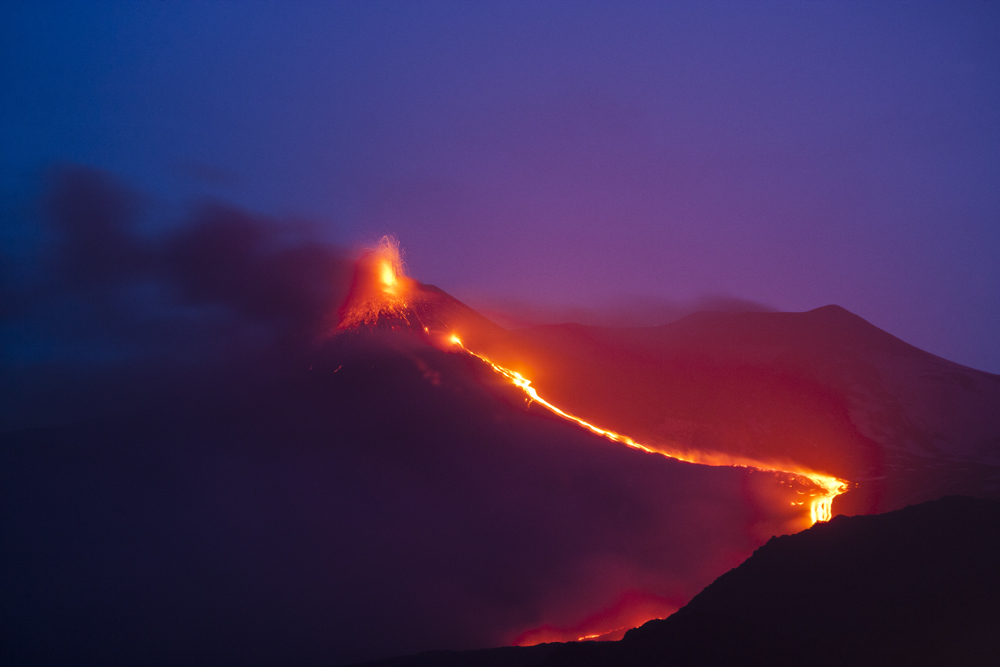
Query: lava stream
820	508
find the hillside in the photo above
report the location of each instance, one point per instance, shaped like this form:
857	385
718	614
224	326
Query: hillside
824	389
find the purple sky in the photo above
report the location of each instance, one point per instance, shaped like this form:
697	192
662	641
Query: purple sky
559	154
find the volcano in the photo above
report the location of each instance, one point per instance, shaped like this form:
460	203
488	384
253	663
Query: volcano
822	395
383	298
388	490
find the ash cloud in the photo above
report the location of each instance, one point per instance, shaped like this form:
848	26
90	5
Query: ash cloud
93	294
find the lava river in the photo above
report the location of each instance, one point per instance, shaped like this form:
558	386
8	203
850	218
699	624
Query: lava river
826	487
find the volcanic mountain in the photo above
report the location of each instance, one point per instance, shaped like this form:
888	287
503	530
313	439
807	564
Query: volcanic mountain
383	298
820	391
397	487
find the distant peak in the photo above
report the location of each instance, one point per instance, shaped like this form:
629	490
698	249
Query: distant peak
841	315
831	309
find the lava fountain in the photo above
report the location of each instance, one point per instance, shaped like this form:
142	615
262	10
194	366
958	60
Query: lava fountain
381	291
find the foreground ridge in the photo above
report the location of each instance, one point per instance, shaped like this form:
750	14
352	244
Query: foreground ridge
916	586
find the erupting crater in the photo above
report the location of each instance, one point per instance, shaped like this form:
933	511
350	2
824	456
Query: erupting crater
381	293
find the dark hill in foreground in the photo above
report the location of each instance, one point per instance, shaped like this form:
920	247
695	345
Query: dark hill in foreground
918	586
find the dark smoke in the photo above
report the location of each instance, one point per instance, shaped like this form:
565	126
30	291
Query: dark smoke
99	298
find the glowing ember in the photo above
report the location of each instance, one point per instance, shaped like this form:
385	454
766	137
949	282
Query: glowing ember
821	503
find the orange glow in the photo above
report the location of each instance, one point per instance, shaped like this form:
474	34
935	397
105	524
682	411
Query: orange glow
825	487
387	273
631	610
548	633
596	635
381	289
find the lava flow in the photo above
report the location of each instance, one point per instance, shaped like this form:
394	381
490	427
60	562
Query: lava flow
820	507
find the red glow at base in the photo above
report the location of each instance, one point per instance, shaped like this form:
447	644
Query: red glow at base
610	624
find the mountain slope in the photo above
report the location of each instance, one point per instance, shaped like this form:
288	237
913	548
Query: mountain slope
823	388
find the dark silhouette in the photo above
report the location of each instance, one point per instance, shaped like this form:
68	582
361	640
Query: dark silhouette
918	586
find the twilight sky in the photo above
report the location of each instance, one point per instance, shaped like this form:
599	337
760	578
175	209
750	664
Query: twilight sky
555	154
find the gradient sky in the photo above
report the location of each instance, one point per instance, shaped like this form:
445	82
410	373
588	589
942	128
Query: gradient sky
791	154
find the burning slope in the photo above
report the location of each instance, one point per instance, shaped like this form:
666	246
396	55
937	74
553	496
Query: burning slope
916	586
822	488
824	389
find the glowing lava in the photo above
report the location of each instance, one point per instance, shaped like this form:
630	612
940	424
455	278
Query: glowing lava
821	503
631	610
381	291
